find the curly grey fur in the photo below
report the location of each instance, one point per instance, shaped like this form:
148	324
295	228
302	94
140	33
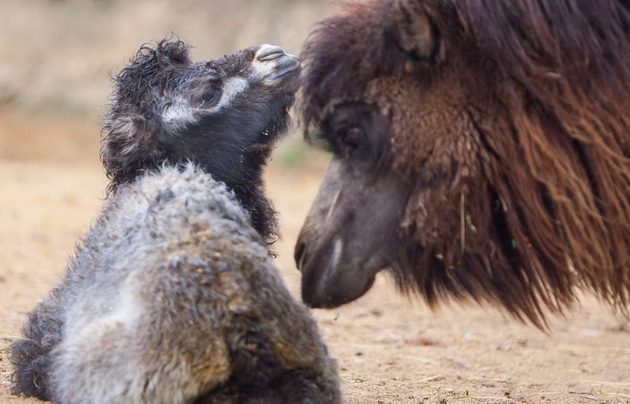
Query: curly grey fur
173	297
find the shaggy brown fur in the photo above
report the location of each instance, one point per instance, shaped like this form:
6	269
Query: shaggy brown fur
511	134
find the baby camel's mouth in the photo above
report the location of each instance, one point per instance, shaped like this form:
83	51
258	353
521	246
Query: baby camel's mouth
276	64
287	66
295	68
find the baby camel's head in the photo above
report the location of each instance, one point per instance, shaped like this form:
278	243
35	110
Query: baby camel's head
224	115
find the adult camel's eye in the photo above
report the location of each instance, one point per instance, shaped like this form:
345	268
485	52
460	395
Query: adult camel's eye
350	140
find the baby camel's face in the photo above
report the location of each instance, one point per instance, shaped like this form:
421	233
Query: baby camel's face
224	115
219	113
255	75
225	106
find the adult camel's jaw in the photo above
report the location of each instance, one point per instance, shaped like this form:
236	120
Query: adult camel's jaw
340	248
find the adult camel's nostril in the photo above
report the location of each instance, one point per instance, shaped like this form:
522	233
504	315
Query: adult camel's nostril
267	53
300	255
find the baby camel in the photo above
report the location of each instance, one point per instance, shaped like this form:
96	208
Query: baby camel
172	296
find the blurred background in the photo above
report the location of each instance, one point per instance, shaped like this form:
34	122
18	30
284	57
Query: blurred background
57	57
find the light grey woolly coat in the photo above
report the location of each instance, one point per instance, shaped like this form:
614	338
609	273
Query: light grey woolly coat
172	297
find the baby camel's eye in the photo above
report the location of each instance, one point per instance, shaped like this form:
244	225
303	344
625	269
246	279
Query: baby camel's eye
209	98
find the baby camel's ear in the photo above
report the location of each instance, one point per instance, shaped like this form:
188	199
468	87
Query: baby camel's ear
127	143
170	53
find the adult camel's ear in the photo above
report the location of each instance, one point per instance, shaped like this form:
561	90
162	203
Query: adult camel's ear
415	34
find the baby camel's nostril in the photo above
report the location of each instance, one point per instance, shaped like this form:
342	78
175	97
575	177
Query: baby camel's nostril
269	52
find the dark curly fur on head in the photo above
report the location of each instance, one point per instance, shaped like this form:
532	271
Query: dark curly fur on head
509	159
224	115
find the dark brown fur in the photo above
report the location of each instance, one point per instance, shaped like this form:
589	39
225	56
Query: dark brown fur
512	139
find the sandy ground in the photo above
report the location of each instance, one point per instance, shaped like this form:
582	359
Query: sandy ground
389	349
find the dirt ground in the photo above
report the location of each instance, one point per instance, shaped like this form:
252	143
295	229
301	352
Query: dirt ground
389	349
